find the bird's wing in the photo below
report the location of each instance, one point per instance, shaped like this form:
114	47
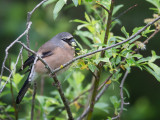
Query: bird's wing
28	62
31	59
46	54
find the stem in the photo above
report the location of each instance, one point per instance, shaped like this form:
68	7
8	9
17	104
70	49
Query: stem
33	100
121	92
14	104
100	65
65	102
109	21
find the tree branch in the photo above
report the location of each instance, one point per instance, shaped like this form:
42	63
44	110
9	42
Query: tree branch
106	48
99	66
125	12
11	70
121	92
65	102
6	50
33	100
103	7
96	99
28	20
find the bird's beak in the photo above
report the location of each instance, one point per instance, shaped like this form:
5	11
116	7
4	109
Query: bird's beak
73	43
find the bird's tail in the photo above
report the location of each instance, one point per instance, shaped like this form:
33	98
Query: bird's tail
23	90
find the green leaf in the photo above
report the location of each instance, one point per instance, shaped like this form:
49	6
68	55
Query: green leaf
87	17
144	60
79	2
102	106
146	32
92	67
156	3
48	2
135	38
109	118
125	32
68	76
152	72
118	60
117	8
136	29
154	56
85	34
155	68
75	2
58	7
137	56
114	100
79	77
102	59
79	21
82	26
17	78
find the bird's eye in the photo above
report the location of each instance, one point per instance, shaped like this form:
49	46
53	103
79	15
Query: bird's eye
70	41
66	39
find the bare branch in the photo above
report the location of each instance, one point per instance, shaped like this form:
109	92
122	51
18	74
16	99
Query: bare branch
66	104
37	6
6	51
12	70
13	101
100	64
125	12
32	70
103	7
28	20
151	36
106	48
33	100
121	91
97	98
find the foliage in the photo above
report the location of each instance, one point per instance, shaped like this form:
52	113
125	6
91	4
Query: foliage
91	32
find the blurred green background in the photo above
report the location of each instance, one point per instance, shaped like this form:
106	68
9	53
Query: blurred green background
143	88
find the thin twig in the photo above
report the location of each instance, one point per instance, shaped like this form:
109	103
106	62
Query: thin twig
99	66
103	7
7	69
121	91
103	84
42	85
106	85
152	35
122	98
33	100
66	104
11	73
6	50
13	101
125	12
34	88
28	20
32	70
97	98
31	12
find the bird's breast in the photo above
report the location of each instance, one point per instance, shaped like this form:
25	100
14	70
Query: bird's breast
59	57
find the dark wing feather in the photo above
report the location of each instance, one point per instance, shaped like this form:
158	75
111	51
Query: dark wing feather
31	59
28	62
23	90
46	54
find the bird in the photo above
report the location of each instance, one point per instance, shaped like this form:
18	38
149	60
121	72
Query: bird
55	52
